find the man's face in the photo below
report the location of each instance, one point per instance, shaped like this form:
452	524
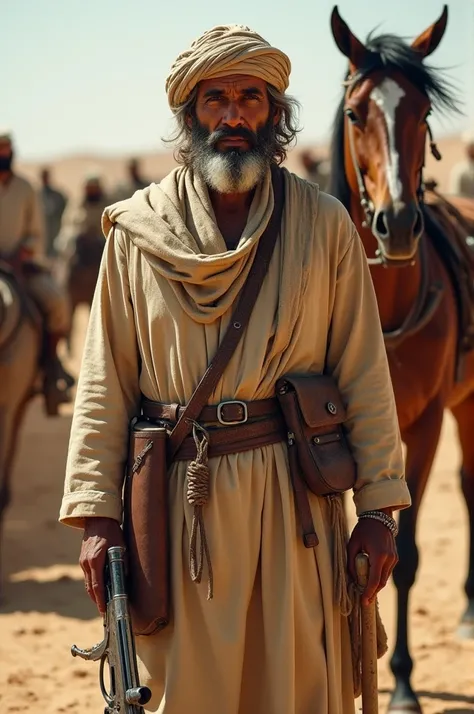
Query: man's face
6	155
94	191
232	132
234	101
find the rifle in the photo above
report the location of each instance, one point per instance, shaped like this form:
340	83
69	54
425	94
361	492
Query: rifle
118	646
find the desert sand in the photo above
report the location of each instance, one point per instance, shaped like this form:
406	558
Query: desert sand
46	609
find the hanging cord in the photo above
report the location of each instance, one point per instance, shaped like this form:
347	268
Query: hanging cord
339	529
198	489
433	145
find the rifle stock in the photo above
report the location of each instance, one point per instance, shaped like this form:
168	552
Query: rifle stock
117	649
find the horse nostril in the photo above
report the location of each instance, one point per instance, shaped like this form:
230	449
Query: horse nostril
381	225
419	223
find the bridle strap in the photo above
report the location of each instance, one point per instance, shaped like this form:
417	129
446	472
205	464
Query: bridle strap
426	303
365	202
364	198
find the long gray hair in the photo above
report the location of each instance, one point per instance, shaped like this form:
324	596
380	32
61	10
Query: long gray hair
286	129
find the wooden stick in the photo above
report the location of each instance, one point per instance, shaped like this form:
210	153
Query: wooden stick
369	642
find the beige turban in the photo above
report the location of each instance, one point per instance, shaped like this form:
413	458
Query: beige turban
225	50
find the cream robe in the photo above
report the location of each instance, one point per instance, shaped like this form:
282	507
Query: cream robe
271	641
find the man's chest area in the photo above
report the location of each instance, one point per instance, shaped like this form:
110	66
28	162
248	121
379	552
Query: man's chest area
13	216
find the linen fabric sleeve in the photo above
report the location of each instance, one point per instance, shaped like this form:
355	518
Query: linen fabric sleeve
357	358
108	396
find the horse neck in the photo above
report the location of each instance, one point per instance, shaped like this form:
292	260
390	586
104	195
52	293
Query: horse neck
396	289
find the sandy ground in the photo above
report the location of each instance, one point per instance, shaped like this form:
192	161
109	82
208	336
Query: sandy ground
46	609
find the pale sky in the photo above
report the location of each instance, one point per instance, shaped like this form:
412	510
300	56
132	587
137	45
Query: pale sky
88	75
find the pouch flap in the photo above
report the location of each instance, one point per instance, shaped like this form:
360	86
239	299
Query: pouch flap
318	398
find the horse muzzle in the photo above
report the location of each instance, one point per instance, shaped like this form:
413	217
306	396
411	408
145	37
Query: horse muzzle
398	228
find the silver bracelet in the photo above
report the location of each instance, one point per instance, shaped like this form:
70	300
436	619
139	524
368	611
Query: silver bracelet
384	518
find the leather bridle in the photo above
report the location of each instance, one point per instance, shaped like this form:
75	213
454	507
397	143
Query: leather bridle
431	291
365	201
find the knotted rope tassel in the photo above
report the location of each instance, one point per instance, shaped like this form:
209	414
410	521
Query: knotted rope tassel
198	488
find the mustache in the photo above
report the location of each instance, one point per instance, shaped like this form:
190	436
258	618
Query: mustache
227	132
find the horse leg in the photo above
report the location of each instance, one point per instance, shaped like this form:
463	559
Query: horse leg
10	422
421	441
5	494
73	308
464	415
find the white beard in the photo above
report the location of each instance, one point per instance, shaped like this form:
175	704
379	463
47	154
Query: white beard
222	175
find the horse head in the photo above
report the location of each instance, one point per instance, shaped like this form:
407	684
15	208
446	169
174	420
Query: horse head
381	133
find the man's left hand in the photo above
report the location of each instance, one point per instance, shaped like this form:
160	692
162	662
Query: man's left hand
372	537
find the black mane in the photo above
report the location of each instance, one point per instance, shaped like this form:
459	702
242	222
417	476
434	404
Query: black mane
387	52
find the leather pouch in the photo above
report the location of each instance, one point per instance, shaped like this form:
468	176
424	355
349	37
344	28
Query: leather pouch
146	528
314	415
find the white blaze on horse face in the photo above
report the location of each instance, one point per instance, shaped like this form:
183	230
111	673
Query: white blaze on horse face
387	97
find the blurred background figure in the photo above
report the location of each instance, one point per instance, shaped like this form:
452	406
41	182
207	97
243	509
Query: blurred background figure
462	176
83	217
135	181
81	243
22	253
315	169
54	203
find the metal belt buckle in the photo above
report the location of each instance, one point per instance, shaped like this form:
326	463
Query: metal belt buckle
225	422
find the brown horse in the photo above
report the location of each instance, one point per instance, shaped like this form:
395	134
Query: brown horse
378	155
20	348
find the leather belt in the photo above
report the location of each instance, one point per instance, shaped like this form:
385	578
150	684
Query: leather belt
228	413
233	440
238	433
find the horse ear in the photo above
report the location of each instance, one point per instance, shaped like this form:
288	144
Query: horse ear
347	42
428	41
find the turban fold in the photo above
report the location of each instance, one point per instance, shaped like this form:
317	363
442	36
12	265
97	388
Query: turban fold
222	51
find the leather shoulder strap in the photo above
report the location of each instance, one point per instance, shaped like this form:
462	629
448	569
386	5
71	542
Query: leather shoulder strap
238	323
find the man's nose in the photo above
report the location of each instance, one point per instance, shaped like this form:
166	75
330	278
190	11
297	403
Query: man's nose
232	115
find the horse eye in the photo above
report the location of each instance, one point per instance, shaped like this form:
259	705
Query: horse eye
351	115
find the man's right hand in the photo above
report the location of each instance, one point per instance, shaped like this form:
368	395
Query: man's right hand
99	535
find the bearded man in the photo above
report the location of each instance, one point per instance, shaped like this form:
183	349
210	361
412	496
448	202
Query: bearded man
272	640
